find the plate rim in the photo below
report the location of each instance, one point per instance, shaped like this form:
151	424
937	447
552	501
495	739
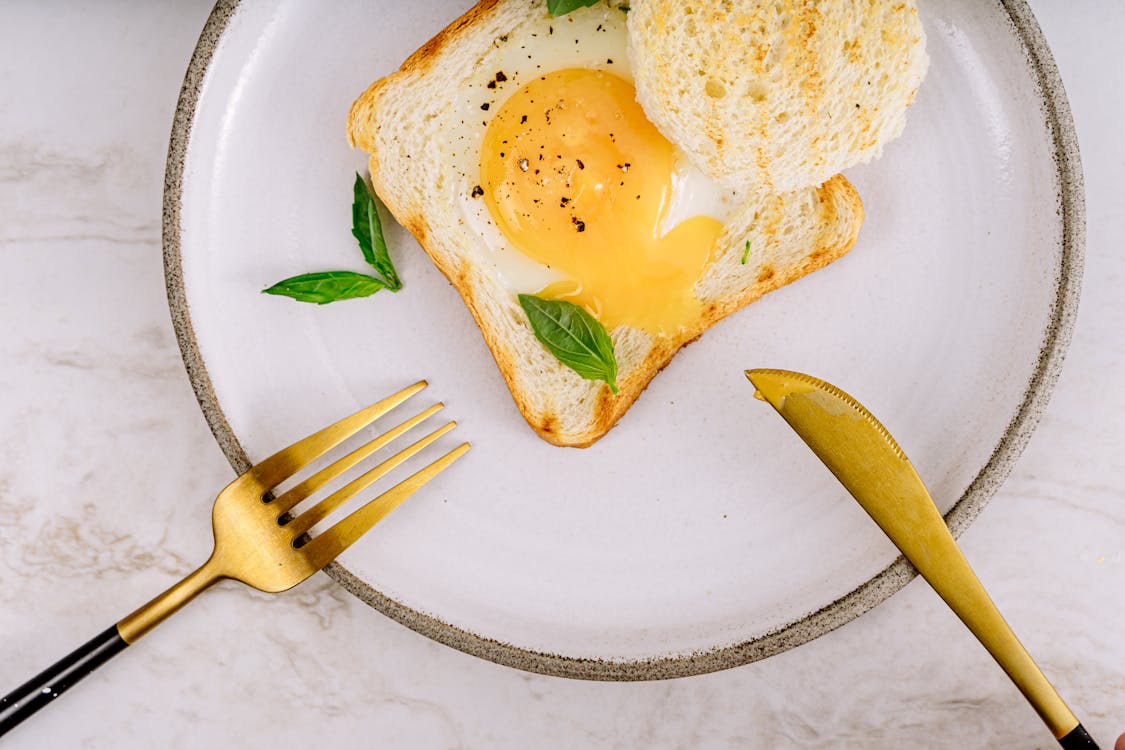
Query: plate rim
1056	339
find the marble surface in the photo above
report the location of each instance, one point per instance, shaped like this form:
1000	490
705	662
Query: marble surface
107	470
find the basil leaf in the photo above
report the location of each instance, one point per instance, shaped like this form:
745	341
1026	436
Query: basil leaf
574	336
562	7
367	228
327	286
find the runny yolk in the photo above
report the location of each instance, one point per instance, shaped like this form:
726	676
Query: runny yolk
578	179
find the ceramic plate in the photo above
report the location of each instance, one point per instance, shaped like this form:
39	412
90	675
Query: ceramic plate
699	533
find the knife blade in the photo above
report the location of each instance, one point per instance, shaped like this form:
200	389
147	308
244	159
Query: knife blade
862	454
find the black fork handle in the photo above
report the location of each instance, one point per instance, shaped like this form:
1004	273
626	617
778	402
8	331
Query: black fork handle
63	674
58	678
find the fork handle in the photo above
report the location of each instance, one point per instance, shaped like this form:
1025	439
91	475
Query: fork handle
57	678
60	676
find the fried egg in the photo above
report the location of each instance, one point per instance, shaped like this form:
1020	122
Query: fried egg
571	189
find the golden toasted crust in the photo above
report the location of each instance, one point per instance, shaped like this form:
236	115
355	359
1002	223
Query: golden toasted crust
843	200
837	198
419	62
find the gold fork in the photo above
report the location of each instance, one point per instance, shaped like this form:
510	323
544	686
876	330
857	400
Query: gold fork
258	541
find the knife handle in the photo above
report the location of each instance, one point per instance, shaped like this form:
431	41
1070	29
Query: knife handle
914	524
1078	739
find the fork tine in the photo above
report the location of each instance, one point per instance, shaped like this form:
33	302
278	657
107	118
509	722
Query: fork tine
324	508
327	546
286	461
306	488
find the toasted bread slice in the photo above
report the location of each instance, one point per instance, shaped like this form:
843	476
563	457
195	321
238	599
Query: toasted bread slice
813	88
401	120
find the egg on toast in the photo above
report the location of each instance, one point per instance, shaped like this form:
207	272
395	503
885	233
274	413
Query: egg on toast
513	148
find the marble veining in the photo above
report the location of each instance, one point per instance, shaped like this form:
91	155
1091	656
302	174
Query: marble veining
107	472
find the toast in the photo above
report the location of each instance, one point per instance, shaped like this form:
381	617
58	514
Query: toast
399	121
816	88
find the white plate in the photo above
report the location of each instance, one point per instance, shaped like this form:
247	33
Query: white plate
700	533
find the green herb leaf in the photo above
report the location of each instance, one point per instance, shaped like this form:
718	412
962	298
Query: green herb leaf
327	286
574	336
562	7
367	228
746	252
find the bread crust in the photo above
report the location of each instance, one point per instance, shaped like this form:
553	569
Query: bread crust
837	194
419	62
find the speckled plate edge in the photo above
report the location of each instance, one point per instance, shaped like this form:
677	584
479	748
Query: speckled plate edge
1071	211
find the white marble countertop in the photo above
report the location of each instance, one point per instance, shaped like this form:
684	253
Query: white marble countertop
107	468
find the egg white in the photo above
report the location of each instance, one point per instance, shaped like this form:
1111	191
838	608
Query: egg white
592	38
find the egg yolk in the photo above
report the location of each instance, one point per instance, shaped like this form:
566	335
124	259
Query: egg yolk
578	179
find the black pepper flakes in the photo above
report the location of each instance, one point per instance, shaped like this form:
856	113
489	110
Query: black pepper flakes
578	223
478	191
580	164
485	106
500	76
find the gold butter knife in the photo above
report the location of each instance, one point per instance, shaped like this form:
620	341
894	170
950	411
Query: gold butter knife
860	452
